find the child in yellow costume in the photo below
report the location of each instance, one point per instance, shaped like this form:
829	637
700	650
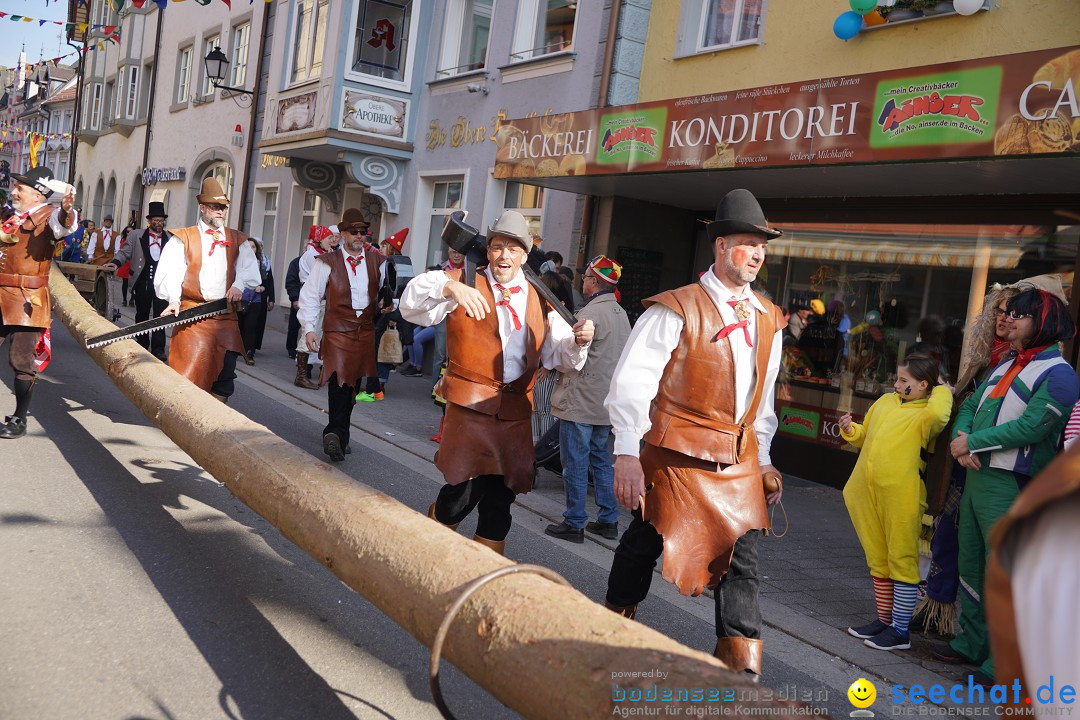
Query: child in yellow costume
885	494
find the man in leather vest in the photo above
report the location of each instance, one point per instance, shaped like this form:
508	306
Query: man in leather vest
696	383
102	243
350	281
27	243
199	264
144	253
498	332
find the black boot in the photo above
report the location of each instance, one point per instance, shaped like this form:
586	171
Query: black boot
15	425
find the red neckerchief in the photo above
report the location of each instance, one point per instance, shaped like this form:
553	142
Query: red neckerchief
156	240
317	248
1022	359
998	350
742	314
505	301
353	261
213	246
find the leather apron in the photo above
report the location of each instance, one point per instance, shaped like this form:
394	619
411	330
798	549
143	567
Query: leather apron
348	341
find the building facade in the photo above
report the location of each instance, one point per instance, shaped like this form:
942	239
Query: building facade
911	167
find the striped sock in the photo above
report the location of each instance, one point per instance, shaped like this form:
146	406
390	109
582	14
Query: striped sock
903	605
883	597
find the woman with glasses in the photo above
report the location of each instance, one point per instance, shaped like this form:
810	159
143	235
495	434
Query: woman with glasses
1004	435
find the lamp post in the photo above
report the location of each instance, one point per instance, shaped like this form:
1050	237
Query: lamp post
217	65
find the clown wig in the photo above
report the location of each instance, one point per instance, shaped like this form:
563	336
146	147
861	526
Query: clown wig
1052	321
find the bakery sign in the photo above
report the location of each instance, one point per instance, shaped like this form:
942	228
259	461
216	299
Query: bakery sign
1021	104
374	115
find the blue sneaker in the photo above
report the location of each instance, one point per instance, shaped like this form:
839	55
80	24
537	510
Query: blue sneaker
867	631
889	639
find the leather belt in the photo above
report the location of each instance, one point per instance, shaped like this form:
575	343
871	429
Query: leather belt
452	368
27	282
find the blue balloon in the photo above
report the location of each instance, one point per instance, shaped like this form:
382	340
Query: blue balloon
847	25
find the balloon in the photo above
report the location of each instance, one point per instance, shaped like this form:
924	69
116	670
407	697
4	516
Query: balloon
863	6
965	7
847	25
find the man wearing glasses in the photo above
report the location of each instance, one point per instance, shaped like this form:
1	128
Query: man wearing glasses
353	283
498	332
198	264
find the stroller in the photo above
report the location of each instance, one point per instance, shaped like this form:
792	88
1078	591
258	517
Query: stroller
547	450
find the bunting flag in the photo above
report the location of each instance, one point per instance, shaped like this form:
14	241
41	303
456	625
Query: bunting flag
35	147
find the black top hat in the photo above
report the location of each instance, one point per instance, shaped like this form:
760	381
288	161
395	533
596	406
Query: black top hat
739	212
157	209
37	178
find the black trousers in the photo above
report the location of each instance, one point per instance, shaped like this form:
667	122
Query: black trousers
342	399
489	494
22	343
224	385
293	334
736	597
147	306
249	325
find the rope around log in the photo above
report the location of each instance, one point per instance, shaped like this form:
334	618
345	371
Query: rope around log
451	613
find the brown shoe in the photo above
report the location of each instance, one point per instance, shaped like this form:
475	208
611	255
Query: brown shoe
740	654
627	611
302	373
431	514
499	546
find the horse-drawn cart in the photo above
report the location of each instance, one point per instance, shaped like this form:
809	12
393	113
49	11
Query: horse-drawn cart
94	283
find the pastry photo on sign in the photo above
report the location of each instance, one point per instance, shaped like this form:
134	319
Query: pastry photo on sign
1056	132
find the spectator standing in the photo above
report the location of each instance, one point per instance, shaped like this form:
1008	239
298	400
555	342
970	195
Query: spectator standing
321	240
1005	434
292	289
886	496
124	270
568	273
260	300
142	251
578	403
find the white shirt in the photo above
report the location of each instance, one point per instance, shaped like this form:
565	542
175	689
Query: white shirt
172	267
155	250
307	261
58	230
423	303
314	290
106	240
655	337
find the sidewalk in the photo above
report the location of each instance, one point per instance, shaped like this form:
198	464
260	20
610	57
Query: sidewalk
814	579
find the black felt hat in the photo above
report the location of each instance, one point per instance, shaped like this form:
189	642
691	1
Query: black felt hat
739	212
37	178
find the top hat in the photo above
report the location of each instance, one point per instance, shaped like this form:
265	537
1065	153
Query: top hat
353	221
157	209
512	224
37	178
739	212
211	193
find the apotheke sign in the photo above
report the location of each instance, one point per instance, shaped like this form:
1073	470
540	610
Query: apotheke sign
152	176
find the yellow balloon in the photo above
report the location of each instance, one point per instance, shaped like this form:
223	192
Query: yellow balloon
862	693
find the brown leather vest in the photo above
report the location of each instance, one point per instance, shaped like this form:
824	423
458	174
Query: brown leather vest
1058	481
340	315
24	272
191	290
694	409
474	350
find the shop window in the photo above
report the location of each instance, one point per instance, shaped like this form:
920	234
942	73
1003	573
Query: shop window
183	74
527	200
445	199
862	297
467	27
381	41
240	37
543	27
131	101
309	38
710	25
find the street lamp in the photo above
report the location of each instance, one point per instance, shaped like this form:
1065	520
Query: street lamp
217	64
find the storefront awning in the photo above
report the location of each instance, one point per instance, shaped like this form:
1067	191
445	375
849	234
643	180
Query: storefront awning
1000	254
